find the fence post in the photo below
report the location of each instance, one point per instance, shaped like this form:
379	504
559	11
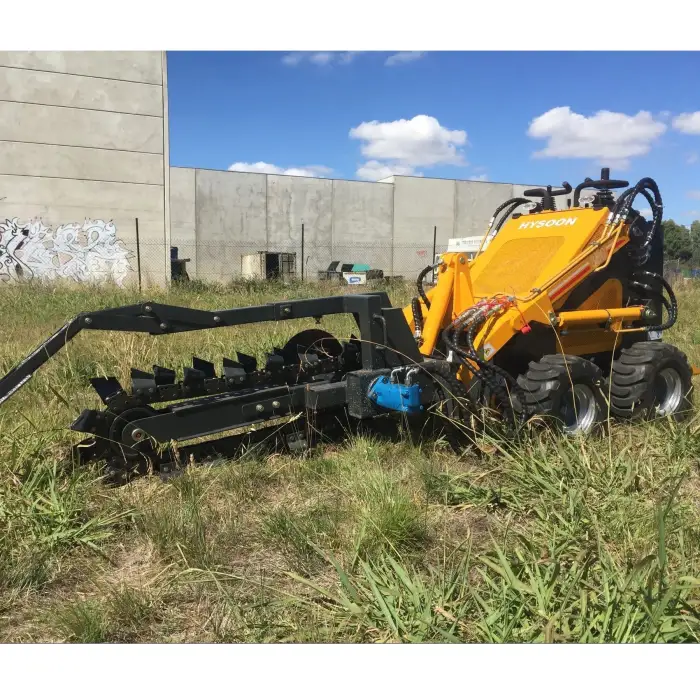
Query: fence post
432	261
138	252
302	251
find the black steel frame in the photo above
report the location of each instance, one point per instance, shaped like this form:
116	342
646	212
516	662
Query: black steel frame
385	337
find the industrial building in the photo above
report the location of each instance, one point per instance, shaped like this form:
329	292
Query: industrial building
87	191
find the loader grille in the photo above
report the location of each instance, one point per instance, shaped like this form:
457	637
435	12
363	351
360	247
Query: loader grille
516	267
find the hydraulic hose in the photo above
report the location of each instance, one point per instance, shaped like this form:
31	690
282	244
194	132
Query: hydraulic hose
640	250
487	372
627	198
419	283
508	202
507	216
670	304
417	316
493	368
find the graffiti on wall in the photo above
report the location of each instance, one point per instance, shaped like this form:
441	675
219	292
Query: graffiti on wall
90	252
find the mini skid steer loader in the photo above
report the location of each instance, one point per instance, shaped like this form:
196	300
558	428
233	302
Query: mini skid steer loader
558	316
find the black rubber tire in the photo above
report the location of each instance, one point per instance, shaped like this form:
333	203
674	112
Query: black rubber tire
547	386
633	384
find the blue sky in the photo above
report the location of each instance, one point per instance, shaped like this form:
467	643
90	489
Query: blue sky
499	116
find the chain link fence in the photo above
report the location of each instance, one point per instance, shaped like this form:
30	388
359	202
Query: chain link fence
220	263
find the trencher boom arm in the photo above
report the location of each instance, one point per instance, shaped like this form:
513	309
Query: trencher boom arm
372	312
313	374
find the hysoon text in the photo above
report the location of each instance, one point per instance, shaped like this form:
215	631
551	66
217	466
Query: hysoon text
568	221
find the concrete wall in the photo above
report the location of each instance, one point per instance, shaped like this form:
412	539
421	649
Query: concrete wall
83	154
423	208
219	216
296	201
183	217
230	221
362	223
476	202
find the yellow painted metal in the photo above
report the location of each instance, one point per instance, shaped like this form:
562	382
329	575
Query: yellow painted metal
588	342
533	265
440	308
592	316
533	249
463	291
607	296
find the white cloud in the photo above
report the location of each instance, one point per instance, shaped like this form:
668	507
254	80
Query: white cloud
374	170
320	58
694	194
609	137
409	143
692	158
646	213
293	59
397	59
687	123
270	169
482	177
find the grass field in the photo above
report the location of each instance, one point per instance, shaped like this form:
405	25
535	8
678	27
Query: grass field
554	540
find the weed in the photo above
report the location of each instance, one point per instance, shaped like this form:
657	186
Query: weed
83	622
388	600
298	534
43	514
177	523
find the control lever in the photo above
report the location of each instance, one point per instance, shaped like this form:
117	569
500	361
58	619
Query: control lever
548	194
605	183
545	191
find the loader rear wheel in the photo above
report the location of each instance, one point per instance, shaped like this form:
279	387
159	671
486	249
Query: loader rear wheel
649	380
565	390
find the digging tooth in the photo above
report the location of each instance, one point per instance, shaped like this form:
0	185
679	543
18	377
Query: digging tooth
204	366
274	362
163	375
248	361
193	377
87	422
233	369
106	387
308	358
141	381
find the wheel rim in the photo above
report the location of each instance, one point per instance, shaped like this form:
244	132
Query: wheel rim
579	409
668	391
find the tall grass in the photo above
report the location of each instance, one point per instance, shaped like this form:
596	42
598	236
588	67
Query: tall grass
546	540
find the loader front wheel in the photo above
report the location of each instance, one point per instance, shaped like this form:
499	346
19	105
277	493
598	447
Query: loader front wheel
649	380
565	390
